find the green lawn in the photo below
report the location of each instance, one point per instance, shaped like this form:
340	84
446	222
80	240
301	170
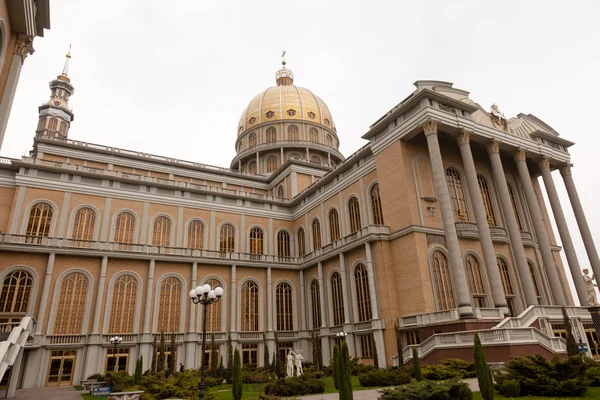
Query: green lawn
592	393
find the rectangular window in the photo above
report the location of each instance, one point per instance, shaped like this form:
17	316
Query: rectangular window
120	357
367	346
412	338
250	354
559	330
592	338
283	349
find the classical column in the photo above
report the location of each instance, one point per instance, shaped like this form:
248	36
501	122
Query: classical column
149	297
45	294
563	230
345	289
514	234
485	237
233	297
584	228
541	230
269	302
191	326
439	176
322	295
302	301
99	296
371	280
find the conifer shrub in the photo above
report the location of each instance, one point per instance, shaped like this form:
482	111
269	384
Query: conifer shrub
484	375
448	390
417	374
295	386
384	377
510	388
237	376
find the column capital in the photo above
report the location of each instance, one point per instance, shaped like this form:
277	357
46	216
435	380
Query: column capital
24	46
464	137
545	162
520	154
429	128
566	169
493	146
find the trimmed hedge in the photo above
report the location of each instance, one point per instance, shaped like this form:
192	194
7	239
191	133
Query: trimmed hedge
448	369
448	390
383	377
295	386
510	388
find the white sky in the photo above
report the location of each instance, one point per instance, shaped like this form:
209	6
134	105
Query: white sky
172	78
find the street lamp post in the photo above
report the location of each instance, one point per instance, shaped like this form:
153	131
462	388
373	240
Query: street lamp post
116	340
205	296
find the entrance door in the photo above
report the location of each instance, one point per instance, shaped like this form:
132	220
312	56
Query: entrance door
61	367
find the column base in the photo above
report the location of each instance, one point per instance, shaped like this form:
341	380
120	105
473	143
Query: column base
465	311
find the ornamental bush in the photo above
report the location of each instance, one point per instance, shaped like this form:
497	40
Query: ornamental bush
295	386
593	376
384	377
182	385
510	388
449	390
448	369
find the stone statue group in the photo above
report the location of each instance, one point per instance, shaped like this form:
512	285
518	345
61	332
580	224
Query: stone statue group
590	288
294	359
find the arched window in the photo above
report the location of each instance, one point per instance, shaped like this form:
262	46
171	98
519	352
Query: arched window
227	240
249	307
41	124
315	296
283	245
71	304
457	194
513	201
354	211
301	243
507	285
337	299
280	192
314	135
38	225
283	301
52	124
169	305
161	233
63	128
195	239
536	283
252	140
328	140
334	225
475	279
271	163
292	132
122	310
442	281
124	228
252	167
256	243
271	135
14	298
363	297
487	200
376	205
83	228
239	146
213	315
316	231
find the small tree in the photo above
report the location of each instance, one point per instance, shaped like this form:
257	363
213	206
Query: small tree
484	375
155	350
160	363
214	357
230	356
416	364
572	347
265	353
375	357
274	364
237	376
315	350
221	371
173	354
336	367
345	373
137	374
320	353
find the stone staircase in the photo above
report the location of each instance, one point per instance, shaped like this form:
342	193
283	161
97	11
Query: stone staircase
11	347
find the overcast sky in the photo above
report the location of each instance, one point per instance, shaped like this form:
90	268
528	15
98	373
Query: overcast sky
172	78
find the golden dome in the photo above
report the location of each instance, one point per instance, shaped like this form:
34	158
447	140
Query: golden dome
285	102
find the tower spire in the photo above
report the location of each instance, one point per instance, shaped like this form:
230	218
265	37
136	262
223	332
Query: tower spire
284	76
65	70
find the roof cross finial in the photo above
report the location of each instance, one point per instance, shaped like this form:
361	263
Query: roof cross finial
283	59
65	70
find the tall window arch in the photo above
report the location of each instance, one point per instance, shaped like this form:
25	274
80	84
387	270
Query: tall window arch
316	231
513	201
334	225
271	163
507	285
83	227
301	243
280	192
457	194
328	140
71	304
271	135
15	295
475	279
124	228
487	200
376	205
252	167
363	297
213	315
38	225
249	300
314	135
354	211
315	296
442	281
536	283
195	238
53	124
292	132
252	140
284	311
283	245
122	309
337	299
227	238
161	232
169	305
256	242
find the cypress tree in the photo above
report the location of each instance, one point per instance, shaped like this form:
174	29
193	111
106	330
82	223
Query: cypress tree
265	353
572	347
160	363
153	366
315	350
221	371
375	357
173	354
274	365
336	367
319	353
416	365
484	375
345	373
136	374
214	362
141	368
237	376
230	356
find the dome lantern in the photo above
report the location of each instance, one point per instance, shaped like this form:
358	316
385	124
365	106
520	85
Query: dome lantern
284	77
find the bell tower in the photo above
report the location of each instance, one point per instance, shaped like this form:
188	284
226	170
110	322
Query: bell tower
55	116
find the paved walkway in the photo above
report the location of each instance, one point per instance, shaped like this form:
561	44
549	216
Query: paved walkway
49	393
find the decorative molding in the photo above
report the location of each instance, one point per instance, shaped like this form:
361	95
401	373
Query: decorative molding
545	163
464	137
430	127
493	146
566	169
520	154
24	47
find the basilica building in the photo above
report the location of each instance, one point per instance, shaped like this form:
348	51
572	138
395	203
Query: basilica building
435	228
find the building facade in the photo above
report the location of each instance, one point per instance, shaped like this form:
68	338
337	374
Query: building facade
437	225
